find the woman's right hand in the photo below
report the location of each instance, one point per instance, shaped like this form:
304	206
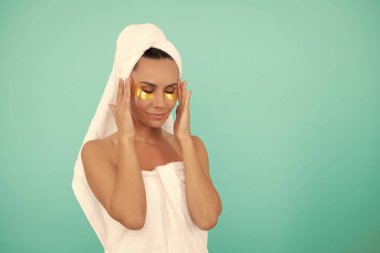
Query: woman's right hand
122	111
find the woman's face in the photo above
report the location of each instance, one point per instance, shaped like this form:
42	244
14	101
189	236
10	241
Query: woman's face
154	90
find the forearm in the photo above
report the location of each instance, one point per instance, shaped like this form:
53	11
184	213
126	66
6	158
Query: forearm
129	199
203	200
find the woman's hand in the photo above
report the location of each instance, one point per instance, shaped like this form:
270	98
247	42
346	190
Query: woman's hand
122	111
182	121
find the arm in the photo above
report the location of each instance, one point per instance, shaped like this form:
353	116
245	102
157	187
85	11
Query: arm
119	189
128	198
202	198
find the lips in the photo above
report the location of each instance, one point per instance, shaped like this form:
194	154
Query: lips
157	116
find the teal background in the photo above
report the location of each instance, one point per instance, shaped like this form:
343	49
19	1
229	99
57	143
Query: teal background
285	97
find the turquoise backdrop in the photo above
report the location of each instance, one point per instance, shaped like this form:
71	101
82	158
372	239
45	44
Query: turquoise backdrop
285	97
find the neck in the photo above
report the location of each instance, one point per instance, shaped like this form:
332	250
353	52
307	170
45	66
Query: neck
149	135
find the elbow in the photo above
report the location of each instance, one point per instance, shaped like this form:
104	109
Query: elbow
131	222
207	224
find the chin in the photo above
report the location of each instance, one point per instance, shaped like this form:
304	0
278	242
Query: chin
159	123
156	123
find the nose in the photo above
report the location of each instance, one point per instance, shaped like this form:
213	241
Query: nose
159	100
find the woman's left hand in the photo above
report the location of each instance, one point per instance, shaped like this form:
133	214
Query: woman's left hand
182	121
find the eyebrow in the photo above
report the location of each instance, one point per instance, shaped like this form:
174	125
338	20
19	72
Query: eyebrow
152	84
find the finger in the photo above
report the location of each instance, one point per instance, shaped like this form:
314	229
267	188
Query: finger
179	91
119	92
177	111
184	84
128	92
187	103
122	102
131	86
188	100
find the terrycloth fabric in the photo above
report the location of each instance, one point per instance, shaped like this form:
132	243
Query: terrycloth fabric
168	226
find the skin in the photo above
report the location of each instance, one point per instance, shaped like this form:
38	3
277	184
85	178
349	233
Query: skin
150	140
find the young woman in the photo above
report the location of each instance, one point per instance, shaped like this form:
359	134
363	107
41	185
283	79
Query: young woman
153	183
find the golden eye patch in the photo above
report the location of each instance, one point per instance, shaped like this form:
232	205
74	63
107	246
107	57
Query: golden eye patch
140	93
172	95
148	95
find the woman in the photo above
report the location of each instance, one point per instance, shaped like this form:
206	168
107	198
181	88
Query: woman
152	186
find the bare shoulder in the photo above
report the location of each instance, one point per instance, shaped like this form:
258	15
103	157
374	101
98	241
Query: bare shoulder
93	148
92	143
199	144
197	139
89	148
99	171
91	153
98	149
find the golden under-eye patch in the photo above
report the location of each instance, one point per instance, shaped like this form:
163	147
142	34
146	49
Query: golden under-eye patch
140	93
172	95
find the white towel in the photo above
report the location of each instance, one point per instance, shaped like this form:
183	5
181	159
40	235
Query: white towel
168	227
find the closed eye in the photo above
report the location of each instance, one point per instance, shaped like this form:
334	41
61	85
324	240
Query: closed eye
148	91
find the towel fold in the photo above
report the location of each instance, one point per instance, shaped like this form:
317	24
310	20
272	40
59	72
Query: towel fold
168	226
